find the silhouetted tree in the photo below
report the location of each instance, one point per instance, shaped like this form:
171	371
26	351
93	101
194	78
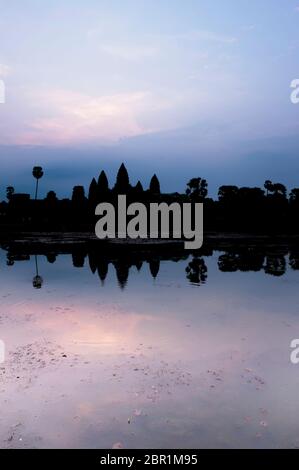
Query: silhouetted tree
276	189
78	195
9	192
228	193
37	173
51	197
251	195
268	186
280	190
294	195
197	189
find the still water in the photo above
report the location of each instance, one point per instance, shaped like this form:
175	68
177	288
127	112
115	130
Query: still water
167	353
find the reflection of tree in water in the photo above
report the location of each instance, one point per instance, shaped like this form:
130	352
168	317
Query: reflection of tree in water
294	260
251	261
10	259
247	260
154	266
78	259
275	265
37	281
270	259
51	258
197	271
228	262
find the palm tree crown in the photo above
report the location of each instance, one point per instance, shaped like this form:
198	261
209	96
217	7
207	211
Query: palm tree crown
37	173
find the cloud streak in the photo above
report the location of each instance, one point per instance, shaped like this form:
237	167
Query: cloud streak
74	117
129	52
208	36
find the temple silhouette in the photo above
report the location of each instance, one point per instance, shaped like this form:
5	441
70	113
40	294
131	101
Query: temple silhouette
273	260
269	210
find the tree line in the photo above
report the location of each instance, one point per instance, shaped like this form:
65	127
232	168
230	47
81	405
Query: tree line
272	261
252	209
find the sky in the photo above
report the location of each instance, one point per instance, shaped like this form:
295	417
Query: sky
181	88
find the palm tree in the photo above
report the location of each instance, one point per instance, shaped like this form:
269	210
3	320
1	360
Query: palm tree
37	281
37	173
268	186
9	192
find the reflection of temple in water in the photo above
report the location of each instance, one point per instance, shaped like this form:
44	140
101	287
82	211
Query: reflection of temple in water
270	260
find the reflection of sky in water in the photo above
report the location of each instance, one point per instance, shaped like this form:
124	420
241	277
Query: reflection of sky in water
161	363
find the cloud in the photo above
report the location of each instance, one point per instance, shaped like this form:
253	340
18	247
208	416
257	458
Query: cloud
207	36
250	27
93	32
65	117
213	37
5	70
155	45
129	52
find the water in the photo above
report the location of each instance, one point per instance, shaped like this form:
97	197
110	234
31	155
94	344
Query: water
150	356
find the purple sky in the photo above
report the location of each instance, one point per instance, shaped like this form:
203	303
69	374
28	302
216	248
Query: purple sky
194	88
